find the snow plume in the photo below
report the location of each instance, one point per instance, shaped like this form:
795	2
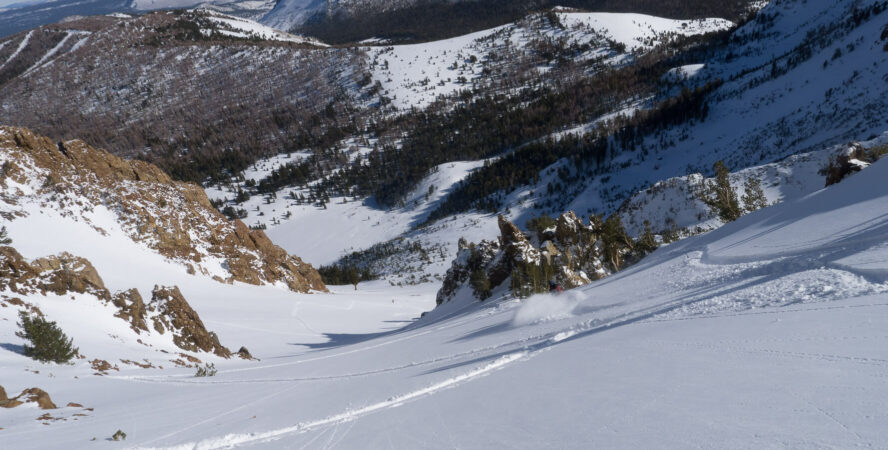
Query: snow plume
546	307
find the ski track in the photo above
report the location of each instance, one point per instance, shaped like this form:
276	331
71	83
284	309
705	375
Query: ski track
53	51
48	55
233	440
542	343
21	47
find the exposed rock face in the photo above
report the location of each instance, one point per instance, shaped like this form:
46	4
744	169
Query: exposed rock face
517	249
469	257
15	273
574	251
58	274
132	309
61	274
170	312
68	273
568	253
175	219
851	160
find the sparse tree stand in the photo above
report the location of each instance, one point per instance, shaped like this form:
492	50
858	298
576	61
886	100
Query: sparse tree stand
720	196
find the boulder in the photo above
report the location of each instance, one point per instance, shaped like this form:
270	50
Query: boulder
244	353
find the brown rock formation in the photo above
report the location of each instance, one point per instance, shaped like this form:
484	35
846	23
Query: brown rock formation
58	274
170	312
32	395
15	272
132	309
175	219
67	273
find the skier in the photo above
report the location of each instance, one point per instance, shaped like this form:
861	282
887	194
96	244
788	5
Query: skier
555	288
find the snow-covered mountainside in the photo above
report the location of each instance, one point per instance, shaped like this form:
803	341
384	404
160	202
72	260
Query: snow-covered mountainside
449	182
70	197
25	16
765	332
247	9
418	74
288	14
798	97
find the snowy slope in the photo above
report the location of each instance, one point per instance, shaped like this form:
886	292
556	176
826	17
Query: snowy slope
415	75
768	332
287	14
321	236
641	31
760	116
245	28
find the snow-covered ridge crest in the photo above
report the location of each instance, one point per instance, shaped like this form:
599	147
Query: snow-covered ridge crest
49	187
239	27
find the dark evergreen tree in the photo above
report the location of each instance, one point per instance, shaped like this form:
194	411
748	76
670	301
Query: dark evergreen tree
646	243
616	242
753	196
720	196
48	342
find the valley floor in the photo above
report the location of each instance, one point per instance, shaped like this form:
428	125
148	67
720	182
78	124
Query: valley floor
766	333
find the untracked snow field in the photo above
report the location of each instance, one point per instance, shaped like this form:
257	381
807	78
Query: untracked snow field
766	333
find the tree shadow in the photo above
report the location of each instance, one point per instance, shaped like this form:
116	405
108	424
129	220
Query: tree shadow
342	339
20	349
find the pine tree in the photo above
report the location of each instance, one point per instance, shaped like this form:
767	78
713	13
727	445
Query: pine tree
4	237
353	276
753	196
480	283
615	241
646	243
48	342
720	196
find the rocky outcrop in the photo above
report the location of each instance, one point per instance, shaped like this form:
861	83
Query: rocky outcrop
469	257
15	273
850	160
517	249
173	218
568	252
131	309
170	312
33	395
68	273
58	274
